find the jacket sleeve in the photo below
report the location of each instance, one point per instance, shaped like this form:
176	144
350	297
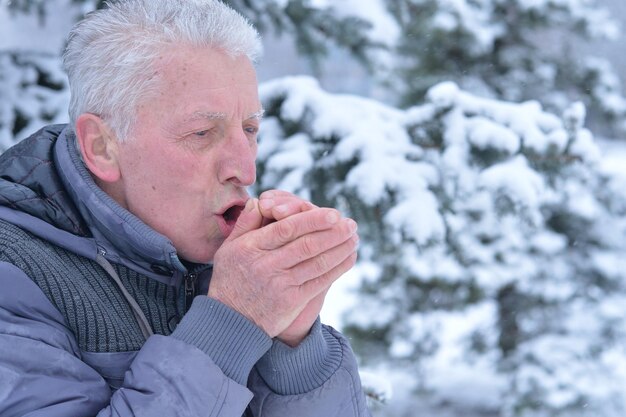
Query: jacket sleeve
319	378
42	374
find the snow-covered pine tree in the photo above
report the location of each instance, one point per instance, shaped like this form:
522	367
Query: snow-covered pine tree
31	93
33	87
314	26
491	261
513	50
506	49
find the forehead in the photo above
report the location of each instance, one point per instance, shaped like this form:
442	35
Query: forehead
209	67
201	83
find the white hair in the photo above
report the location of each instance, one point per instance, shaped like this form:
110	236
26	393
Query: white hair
110	54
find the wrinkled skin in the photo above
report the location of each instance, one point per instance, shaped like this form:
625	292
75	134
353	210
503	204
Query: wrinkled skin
285	268
190	157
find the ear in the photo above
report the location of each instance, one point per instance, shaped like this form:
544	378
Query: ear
99	147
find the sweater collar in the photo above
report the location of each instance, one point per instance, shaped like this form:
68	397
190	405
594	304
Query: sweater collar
121	236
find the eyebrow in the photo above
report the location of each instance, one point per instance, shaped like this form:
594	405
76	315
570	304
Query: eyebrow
203	115
257	115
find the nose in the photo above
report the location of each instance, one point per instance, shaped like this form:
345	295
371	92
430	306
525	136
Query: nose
238	165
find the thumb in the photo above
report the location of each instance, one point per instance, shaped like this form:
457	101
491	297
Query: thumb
249	219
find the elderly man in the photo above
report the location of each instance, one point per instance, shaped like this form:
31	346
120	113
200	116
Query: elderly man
137	276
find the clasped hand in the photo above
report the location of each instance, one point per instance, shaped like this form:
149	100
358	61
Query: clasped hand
279	262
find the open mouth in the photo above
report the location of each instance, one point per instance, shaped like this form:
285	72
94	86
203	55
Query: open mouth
232	214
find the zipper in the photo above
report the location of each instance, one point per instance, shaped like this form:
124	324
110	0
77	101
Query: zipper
190	289
142	321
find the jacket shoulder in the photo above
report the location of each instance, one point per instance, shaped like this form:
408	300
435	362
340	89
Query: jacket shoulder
29	181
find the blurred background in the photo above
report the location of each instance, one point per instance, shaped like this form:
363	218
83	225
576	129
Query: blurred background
480	146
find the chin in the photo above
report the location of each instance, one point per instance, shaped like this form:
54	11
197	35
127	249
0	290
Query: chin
200	259
200	249
205	256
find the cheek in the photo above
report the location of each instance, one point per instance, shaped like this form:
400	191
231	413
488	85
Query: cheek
166	170
187	189
170	183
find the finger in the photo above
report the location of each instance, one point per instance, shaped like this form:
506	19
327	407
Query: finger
272	194
279	207
281	196
314	287
324	262
279	233
311	245
249	219
277	193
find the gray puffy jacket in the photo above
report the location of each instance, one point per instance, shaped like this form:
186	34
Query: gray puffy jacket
98	315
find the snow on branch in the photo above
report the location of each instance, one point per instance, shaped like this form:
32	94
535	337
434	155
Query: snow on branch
490	224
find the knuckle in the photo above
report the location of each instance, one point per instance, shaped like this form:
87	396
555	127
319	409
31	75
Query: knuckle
308	247
285	230
321	263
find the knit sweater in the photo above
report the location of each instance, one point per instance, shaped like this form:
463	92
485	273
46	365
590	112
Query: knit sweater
95	318
90	301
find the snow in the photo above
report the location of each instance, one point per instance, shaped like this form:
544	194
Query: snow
516	180
473	17
485	134
418	216
16	30
443	95
376	386
613	158
341	297
383	27
460	199
295	156
574	115
458	219
548	242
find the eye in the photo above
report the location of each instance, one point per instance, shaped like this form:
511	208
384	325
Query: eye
202	133
253	130
251	127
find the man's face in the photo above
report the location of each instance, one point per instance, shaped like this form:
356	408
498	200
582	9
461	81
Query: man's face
191	155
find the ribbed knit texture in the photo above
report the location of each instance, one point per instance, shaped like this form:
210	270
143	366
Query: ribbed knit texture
234	343
102	320
292	371
93	306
